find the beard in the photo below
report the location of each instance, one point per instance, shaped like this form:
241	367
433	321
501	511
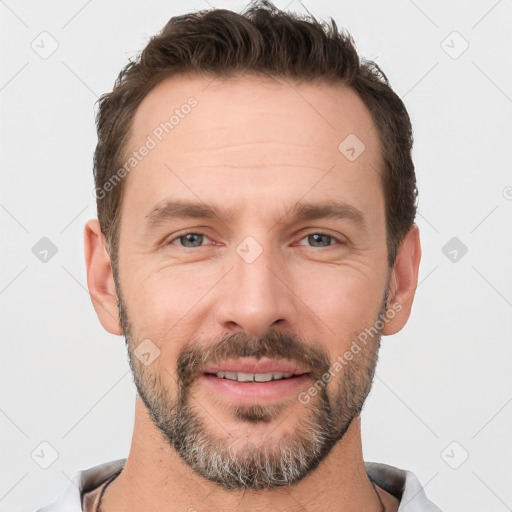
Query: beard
228	460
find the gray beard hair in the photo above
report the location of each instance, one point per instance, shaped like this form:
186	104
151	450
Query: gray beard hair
237	466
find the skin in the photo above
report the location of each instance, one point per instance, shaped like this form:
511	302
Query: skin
260	145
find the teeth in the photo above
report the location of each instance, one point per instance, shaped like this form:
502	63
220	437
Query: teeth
263	377
249	377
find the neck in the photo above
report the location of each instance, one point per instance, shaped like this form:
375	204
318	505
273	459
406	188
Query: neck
155	478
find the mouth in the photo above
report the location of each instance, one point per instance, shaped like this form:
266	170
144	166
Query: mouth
248	381
254	377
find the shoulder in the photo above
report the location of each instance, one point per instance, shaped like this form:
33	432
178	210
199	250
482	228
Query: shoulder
403	485
81	482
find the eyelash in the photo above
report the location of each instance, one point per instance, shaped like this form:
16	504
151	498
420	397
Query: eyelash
195	232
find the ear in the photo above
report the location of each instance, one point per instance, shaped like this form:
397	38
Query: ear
403	282
100	278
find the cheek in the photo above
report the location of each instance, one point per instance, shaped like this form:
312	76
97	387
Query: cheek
347	301
336	301
162	309
160	299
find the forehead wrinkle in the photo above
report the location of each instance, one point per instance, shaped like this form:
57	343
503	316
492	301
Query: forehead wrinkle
262	166
256	155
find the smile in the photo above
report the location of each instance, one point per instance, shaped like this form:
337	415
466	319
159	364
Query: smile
253	377
255	381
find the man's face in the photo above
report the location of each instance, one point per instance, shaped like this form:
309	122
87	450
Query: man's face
253	291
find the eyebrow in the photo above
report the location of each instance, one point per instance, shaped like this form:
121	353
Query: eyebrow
172	209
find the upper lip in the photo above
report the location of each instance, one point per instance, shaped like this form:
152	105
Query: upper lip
252	365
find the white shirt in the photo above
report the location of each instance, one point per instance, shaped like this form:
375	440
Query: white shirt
400	483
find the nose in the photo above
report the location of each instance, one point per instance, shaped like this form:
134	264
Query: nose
256	295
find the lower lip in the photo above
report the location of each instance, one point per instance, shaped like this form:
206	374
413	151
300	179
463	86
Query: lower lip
246	393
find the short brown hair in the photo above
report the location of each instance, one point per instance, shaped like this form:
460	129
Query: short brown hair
262	40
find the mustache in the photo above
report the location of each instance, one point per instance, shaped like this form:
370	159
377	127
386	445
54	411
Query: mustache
194	357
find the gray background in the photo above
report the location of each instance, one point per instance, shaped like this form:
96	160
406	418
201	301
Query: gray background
443	386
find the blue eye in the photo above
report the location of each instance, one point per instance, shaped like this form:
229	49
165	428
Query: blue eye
193	238
319	239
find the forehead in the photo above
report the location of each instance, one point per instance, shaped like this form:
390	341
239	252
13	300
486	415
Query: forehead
205	132
248	107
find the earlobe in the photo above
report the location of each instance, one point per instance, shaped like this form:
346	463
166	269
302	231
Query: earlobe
100	280
403	282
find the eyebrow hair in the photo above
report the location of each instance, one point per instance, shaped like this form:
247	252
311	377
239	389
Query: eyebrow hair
171	209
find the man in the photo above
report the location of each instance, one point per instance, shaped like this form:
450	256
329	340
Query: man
256	202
